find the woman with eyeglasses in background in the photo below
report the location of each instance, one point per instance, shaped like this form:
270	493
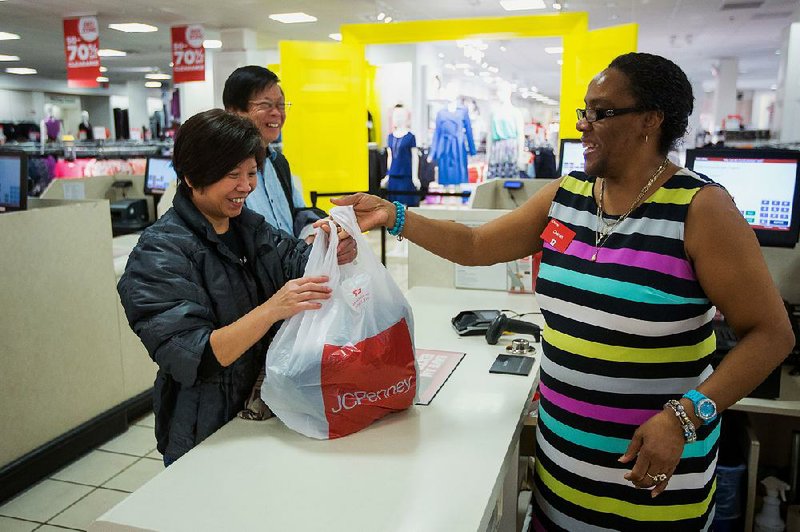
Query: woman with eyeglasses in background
637	252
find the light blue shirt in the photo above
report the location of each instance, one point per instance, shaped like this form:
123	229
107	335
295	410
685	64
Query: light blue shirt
269	201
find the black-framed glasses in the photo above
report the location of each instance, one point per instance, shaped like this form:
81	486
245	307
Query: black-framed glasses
268	105
593	115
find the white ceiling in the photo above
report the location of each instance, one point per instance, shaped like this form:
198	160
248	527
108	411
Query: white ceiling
693	33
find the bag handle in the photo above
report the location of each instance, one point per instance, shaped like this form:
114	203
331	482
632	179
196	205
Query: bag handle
345	216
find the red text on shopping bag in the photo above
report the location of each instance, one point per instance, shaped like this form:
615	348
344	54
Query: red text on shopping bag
366	381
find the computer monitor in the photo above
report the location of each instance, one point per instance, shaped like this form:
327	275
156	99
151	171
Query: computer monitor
764	183
158	174
13	181
570	156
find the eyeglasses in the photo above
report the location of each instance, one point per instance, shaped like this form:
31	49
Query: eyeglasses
267	106
593	115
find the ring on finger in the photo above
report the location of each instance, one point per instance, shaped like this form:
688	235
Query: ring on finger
657	478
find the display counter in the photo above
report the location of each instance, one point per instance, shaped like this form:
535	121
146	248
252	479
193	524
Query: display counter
451	465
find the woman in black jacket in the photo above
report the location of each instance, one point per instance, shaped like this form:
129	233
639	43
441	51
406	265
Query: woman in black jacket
208	283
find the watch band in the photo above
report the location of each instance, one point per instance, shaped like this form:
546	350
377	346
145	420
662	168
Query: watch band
704	408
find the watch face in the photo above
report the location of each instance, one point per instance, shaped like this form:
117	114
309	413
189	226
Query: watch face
706	409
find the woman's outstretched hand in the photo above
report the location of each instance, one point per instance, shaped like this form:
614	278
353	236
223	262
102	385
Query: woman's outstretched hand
371	211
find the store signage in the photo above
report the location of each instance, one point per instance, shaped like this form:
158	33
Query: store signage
81	43
188	54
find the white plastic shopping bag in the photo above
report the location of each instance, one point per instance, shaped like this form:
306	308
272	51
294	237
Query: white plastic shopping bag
333	371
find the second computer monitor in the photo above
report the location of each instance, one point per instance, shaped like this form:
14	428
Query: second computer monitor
764	183
158	174
570	156
13	181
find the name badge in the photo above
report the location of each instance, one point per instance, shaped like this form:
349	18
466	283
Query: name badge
558	235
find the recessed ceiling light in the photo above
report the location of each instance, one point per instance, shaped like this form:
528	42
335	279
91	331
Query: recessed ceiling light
212	43
133	27
102	79
152	84
773	87
556	6
441	55
554	50
9	57
335	36
103	69
387	20
157	75
493	70
109	52
293	18
381	16
5	36
520	5
503	48
21	71
777	52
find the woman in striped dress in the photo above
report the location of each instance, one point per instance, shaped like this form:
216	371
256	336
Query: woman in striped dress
637	253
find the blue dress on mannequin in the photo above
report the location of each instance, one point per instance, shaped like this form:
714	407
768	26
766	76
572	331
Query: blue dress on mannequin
452	138
400	170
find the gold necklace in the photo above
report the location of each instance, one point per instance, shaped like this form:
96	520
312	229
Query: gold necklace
604	229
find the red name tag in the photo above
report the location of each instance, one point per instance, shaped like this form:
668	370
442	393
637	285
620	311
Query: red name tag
558	235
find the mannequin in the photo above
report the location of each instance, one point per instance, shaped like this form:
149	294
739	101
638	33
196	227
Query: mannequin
50	126
85	128
451	140
403	159
505	141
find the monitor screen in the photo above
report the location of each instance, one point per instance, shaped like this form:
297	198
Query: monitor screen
158	174
764	183
570	156
13	182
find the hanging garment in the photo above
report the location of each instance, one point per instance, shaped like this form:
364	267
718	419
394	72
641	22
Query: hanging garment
400	169
452	138
504	148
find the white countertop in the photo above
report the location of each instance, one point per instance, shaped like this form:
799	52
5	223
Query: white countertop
431	468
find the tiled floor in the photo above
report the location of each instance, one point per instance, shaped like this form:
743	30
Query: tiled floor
72	498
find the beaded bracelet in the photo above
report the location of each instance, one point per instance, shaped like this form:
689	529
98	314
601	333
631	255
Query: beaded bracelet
399	220
689	433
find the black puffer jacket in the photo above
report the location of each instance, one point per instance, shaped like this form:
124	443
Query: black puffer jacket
181	282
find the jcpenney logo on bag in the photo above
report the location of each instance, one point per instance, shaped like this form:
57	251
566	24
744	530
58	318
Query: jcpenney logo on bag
357	290
362	383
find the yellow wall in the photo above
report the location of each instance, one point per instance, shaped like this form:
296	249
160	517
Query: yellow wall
325	135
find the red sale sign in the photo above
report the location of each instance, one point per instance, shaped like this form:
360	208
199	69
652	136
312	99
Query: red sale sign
81	43
188	54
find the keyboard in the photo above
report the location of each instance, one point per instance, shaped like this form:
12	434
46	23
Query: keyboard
726	338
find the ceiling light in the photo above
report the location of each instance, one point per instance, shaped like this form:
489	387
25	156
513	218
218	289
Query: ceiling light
520	5
22	71
554	50
503	48
212	43
777	52
9	57
102	79
5	36
109	52
335	36
157	75
293	18
387	19
133	27
103	69
493	70
773	87
484	65
556	6
152	84
381	16
559	62
450	66
441	55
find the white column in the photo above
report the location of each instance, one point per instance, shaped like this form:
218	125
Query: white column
137	105
725	91
786	121
198	96
239	48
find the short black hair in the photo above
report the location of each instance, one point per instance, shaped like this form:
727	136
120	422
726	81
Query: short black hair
243	83
210	144
658	84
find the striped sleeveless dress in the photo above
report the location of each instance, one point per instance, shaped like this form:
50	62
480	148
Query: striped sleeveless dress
623	335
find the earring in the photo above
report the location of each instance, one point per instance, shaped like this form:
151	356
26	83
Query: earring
646	138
